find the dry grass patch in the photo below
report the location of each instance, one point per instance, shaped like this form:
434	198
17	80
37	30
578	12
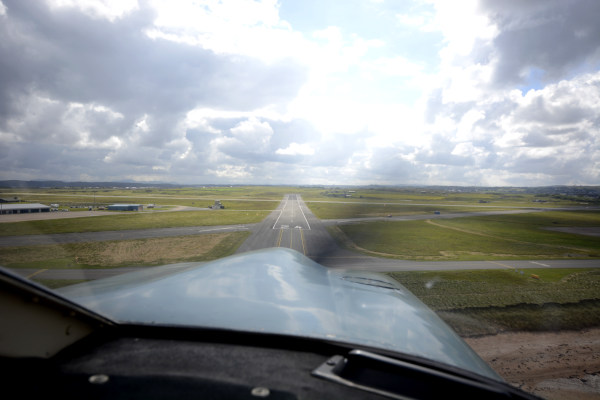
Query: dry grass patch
118	253
149	250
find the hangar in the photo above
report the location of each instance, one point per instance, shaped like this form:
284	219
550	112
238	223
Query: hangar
126	207
23	208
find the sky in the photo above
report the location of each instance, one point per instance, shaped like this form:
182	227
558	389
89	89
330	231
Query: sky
311	92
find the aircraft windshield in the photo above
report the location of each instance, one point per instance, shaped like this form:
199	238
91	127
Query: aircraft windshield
452	149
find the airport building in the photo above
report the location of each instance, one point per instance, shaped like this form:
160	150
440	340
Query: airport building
126	207
23	208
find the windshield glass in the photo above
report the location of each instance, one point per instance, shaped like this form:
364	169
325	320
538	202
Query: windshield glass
453	149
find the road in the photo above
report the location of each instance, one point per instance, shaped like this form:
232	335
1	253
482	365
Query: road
294	226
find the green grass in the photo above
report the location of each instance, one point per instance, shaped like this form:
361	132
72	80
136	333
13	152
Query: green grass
198	196
499	237
511	197
263	205
84	201
363	210
491	301
452	290
184	195
524	317
132	221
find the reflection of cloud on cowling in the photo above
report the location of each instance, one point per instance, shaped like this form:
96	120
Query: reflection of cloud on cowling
432	282
286	291
262	297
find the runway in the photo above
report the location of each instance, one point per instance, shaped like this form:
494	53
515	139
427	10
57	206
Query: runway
294	226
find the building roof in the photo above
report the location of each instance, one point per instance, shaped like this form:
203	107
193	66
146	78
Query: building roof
5	206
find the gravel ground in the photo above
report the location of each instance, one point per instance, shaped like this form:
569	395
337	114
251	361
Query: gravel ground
555	365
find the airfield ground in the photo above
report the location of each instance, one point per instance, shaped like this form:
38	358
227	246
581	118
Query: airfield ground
553	365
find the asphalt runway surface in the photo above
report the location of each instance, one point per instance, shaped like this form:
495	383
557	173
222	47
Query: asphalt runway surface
294	226
291	225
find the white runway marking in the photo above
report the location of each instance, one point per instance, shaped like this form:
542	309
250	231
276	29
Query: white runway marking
280	212
292	216
307	224
539	263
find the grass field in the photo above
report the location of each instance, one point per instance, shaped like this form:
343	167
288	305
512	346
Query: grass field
181	196
85	201
496	197
492	301
199	196
498	237
236	198
121	253
134	220
363	210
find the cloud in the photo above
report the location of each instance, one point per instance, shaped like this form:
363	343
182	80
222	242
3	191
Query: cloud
205	92
93	80
109	9
295	149
248	139
559	38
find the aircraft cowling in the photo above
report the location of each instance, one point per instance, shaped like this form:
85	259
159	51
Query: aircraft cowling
280	291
